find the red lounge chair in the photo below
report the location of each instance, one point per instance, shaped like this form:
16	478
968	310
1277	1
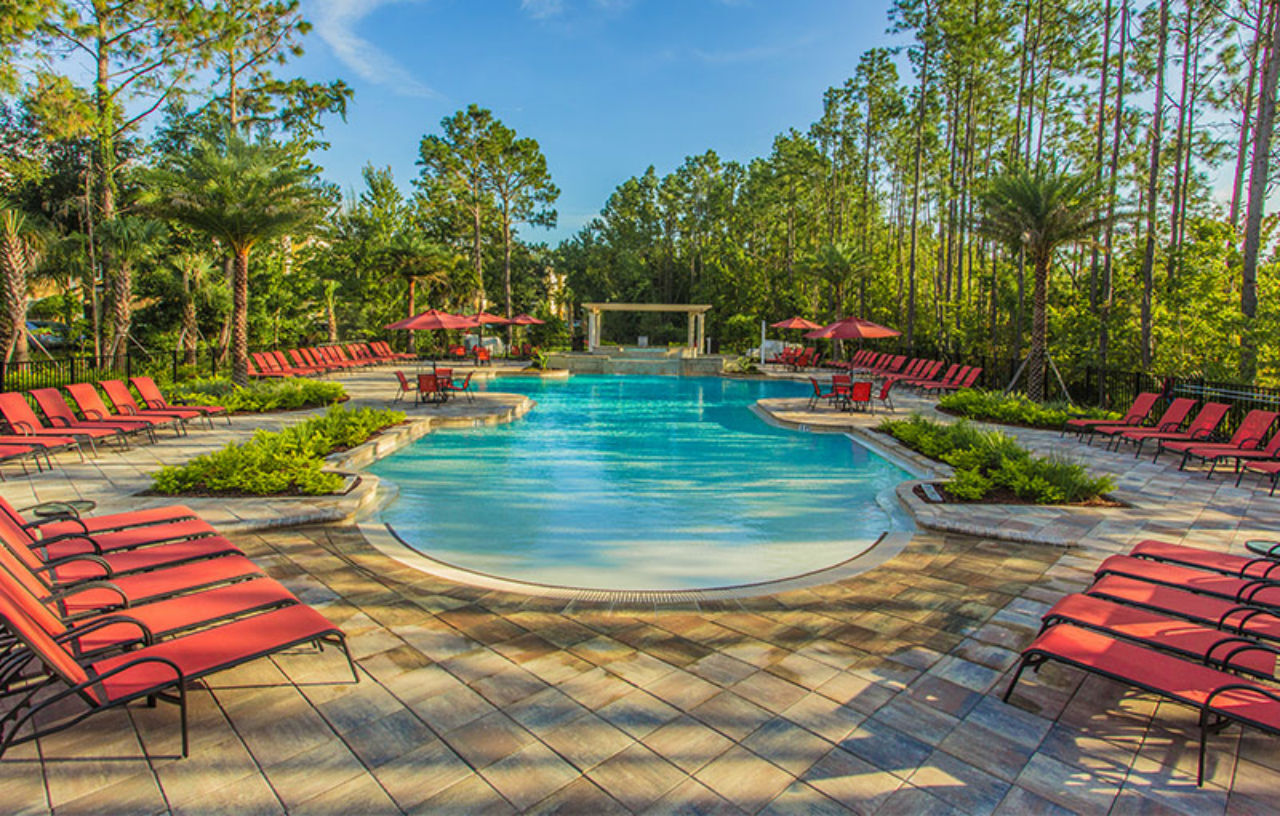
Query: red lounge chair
924	373
1271	469
46	444
1142	405
1241	590
60	517
61	540
21	453
952	371
383	348
1156	630
124	403
1241	566
956	376
153	671
967	381
259	370
95	634
305	364
1248	437
154	399
93	408
60	416
24	422
1256	621
1169	422
1221	698
1201	428
85	596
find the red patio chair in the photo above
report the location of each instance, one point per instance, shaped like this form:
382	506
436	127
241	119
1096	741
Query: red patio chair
860	394
1241	566
61	517
885	400
404	387
464	387
483	356
1248	437
1240	590
153	398
1170	421
916	382
967	381
260	368
430	390
1142	405
819	395
1270	469
1256	621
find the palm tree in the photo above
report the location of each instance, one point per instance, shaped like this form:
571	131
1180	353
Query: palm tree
1038	212
240	193
408	254
132	241
21	246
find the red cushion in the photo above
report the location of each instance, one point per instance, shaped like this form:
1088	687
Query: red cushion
141	587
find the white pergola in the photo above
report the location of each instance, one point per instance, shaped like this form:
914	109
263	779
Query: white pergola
697	313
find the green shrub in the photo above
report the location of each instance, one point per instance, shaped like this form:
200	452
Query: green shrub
288	461
986	460
1015	409
259	397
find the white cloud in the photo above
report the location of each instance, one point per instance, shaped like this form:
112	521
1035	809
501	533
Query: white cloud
336	22
542	9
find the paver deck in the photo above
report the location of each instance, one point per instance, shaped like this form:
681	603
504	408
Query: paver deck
875	694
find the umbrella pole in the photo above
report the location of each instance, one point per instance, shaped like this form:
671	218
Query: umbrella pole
762	325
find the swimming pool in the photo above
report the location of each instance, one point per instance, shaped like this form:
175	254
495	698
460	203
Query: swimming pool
634	482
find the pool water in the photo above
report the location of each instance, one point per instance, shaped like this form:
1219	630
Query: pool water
632	482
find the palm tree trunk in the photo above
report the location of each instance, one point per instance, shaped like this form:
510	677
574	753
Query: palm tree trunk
121	290
240	318
189	328
15	259
1039	328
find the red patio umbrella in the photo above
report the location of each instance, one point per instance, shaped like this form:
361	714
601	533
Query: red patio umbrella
526	320
852	328
433	319
795	323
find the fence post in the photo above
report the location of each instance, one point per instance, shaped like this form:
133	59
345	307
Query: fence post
4	375
175	365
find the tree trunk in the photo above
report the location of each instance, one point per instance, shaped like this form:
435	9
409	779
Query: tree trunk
16	259
506	263
240	318
1105	293
1258	177
189	327
1181	141
915	186
413	310
121	292
1256	59
1153	186
1039	327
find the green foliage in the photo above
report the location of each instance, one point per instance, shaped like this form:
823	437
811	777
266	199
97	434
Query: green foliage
987	460
259	397
1015	409
289	461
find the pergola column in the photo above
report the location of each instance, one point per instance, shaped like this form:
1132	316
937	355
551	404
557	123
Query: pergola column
702	331
692	321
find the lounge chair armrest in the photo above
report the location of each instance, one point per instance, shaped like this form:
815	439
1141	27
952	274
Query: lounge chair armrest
1168	427
146	637
60	518
1200	433
155	404
92	414
62	507
63	592
24	428
1246	614
1247	687
59	422
127	410
1227	649
60	537
50	566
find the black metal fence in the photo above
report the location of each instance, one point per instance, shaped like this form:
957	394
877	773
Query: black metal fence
173	364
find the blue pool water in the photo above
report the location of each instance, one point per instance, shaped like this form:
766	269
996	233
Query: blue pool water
626	482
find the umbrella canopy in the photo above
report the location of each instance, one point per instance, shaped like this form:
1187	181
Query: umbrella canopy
431	320
486	319
526	320
795	323
852	328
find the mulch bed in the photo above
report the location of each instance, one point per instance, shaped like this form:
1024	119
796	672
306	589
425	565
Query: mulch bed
1002	495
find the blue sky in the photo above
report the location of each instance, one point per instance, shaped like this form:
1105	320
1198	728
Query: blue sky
607	87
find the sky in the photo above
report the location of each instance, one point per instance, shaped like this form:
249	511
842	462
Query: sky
606	87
